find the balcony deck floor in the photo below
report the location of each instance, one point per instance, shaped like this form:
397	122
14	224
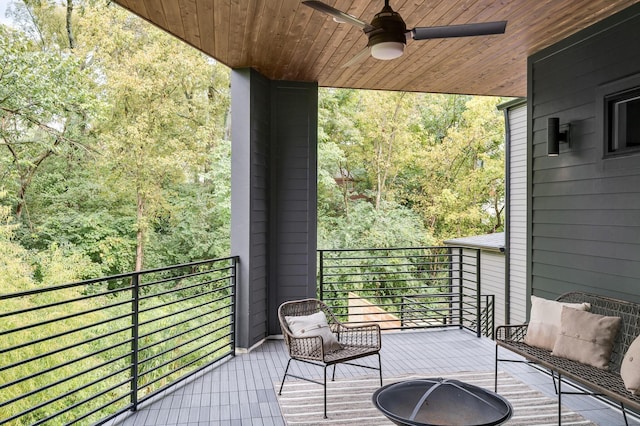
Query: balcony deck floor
240	391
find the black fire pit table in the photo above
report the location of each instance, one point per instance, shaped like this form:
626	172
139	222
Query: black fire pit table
441	402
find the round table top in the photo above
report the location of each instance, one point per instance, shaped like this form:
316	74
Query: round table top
441	402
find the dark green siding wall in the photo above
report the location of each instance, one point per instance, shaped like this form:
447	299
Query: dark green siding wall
250	120
585	209
294	207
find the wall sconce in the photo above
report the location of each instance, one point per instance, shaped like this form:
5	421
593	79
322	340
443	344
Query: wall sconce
555	136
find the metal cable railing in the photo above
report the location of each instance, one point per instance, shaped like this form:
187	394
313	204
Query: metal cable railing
401	288
84	352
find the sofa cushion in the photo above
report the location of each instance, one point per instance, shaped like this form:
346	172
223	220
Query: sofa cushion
544	321
586	337
312	326
630	368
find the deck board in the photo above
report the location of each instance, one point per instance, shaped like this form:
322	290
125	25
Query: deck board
241	390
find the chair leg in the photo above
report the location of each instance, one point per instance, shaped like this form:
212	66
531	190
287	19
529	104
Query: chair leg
325	388
380	368
285	376
495	373
333	376
559	399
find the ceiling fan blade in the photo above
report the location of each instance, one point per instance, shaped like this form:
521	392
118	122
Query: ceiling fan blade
464	30
338	15
359	57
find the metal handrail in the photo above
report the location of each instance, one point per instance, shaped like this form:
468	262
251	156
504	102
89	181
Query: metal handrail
407	288
120	340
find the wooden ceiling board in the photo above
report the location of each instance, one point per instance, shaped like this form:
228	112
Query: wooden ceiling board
188	10
172	11
323	50
237	30
291	39
262	29
285	40
345	42
222	28
153	11
204	13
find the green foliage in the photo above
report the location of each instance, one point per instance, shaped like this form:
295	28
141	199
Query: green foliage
117	149
436	161
365	227
110	151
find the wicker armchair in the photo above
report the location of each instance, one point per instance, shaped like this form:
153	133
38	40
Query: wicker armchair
353	342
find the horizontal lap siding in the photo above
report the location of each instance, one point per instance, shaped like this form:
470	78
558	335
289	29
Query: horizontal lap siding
251	132
273	198
585	209
293	274
259	202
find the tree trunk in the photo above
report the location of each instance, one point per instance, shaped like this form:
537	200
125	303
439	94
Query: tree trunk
384	154
72	41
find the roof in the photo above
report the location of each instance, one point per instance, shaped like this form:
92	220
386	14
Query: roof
493	242
286	40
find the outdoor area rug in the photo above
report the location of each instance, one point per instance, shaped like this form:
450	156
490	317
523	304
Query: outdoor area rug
349	401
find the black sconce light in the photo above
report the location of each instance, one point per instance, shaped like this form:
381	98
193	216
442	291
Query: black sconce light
555	136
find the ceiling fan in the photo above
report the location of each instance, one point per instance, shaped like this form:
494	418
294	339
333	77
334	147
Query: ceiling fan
388	33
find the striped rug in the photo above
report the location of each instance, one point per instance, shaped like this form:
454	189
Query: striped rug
349	401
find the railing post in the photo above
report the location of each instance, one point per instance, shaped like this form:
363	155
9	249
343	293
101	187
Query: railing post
321	274
461	287
234	271
450	279
478	301
135	309
491	299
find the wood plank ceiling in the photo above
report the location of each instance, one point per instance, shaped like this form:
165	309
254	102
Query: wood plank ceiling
285	40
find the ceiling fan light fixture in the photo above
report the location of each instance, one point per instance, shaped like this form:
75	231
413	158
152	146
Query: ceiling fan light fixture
387	50
388	34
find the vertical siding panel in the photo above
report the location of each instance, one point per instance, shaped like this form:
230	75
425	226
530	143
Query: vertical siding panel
518	214
492	278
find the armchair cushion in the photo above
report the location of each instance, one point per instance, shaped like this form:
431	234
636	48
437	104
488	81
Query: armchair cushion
314	325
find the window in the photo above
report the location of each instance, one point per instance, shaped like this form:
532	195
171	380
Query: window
622	122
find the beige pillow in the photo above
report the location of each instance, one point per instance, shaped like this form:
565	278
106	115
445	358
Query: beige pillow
544	321
630	368
586	337
311	326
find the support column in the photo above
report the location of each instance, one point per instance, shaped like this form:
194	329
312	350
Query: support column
273	198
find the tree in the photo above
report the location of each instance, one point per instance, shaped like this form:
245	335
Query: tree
45	102
163	116
438	156
113	160
364	143
462	189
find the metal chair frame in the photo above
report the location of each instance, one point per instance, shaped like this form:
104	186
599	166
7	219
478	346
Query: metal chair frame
356	341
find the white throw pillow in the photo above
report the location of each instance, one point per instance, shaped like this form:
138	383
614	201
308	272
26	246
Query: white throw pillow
312	326
630	368
586	337
544	321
